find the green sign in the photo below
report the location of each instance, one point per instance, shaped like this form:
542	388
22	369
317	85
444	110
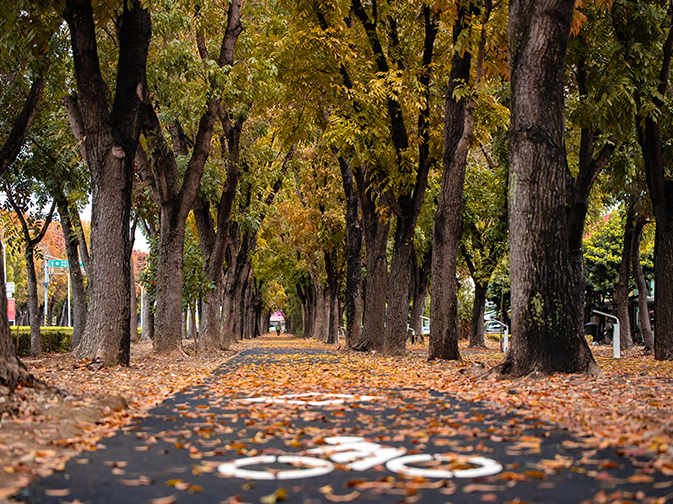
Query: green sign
61	263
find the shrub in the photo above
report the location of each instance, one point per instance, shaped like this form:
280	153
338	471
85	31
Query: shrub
54	339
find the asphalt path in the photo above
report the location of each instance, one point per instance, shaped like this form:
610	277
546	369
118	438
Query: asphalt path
199	447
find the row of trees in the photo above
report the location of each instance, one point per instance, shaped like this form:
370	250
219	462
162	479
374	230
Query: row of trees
293	143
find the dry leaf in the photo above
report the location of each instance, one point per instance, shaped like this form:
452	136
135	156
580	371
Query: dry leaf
57	492
342	498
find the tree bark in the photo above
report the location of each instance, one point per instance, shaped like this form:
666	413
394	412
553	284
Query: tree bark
545	323
333	298
643	308
76	277
477	321
110	136
376	232
148	320
33	308
622	296
458	126
353	257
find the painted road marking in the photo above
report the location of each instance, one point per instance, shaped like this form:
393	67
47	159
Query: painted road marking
303	399
487	467
317	467
358	455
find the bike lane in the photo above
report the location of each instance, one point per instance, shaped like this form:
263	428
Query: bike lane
260	429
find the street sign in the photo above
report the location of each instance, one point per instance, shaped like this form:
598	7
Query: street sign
61	263
11	288
58	271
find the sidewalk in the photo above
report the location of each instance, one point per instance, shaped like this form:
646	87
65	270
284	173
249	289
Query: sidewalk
283	421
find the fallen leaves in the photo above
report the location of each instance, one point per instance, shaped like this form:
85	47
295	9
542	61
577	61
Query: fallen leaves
629	410
278	496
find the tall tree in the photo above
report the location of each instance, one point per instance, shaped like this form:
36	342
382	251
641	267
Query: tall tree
458	128
660	184
175	200
110	134
33	229
545	321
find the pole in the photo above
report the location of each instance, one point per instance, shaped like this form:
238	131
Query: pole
69	324
615	334
46	287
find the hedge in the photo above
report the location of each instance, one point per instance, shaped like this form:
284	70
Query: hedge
54	339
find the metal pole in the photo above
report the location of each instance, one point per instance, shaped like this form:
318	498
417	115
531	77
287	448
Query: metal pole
615	334
69	324
46	286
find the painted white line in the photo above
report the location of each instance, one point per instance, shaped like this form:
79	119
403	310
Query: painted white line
356	453
299	399
316	467
486	467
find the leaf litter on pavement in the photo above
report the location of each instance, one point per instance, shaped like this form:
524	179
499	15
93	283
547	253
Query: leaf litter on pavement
629	410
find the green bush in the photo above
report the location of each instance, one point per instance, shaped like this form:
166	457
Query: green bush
54	339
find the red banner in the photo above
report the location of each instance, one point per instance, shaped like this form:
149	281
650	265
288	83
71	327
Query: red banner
11	310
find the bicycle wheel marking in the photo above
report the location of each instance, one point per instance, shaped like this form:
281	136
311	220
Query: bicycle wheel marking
298	399
316	467
487	467
357	455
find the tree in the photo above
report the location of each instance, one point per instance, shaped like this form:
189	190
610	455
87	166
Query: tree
545	322
161	173
33	229
483	240
110	136
458	130
652	100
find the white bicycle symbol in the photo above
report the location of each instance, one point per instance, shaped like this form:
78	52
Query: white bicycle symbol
357	455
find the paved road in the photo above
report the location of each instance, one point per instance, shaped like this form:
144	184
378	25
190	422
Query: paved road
203	446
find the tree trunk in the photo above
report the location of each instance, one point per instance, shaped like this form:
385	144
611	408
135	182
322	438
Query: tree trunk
421	276
399	283
76	277
458	125
321	307
545	324
148	320
133	322
477	320
376	231
661	192
33	308
110	138
12	370
168	314
333	299
622	297
353	258
643	308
